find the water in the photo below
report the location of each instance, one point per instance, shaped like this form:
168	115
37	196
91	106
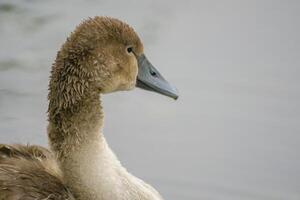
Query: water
234	132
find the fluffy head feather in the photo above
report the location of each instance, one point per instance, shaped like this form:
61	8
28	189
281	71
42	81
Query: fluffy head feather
94	60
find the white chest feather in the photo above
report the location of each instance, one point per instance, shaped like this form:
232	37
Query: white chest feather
98	175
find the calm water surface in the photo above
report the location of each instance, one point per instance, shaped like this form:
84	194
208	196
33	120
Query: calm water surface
234	132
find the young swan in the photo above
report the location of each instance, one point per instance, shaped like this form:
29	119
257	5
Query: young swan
102	55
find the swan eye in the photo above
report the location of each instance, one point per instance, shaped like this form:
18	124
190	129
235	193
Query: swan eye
129	49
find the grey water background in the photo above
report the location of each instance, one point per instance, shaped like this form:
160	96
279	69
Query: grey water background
234	133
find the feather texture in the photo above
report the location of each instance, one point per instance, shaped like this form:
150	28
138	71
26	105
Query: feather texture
30	173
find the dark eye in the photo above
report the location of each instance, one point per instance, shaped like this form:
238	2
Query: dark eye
129	49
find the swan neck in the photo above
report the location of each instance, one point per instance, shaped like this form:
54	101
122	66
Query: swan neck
72	127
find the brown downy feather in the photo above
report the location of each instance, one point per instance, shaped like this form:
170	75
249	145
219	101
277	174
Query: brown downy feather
84	66
30	173
93	60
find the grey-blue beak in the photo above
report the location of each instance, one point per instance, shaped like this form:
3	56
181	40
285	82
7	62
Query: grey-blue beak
149	78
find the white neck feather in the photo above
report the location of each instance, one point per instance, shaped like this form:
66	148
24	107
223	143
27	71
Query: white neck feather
91	169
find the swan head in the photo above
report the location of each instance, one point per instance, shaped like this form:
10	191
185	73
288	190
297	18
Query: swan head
104	55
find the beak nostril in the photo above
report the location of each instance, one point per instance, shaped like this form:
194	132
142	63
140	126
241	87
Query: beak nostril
153	73
149	78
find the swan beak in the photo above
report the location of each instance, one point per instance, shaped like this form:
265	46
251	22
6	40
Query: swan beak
149	78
